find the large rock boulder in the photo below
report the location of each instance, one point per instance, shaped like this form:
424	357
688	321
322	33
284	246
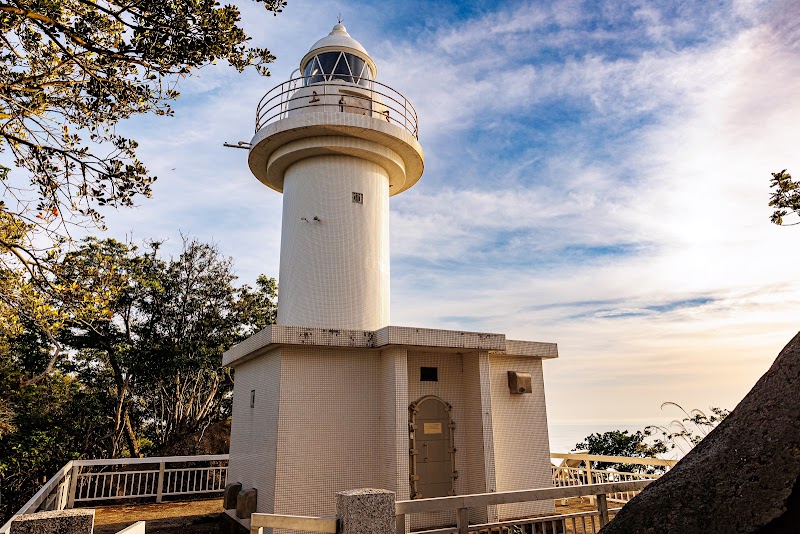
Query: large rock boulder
743	478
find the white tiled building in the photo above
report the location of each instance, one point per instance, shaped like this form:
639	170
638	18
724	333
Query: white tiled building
332	398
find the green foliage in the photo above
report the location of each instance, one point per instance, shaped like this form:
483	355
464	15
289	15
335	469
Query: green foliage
683	434
622	443
71	70
143	355
785	198
52	421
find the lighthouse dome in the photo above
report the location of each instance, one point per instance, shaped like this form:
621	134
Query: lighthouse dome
337	56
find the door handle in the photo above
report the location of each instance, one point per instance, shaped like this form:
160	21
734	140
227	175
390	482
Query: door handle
426	452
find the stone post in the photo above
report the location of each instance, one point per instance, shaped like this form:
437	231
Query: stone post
231	495
365	511
76	521
246	503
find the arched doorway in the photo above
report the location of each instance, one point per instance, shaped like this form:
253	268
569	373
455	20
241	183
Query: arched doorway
431	448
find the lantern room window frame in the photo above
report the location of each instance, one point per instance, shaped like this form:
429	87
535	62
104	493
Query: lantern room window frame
343	66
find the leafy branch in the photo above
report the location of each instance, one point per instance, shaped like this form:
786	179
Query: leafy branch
785	198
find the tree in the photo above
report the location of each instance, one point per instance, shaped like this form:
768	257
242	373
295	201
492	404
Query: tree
142	357
71	70
157	346
785	198
622	443
190	317
683	434
53	420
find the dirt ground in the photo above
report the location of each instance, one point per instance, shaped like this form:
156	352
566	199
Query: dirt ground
193	517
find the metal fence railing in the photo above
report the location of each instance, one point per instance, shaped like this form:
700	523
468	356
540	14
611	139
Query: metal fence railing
84	481
337	96
576	469
588	522
462	504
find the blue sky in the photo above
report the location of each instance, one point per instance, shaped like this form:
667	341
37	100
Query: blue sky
596	175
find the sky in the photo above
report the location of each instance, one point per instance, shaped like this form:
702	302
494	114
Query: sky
597	175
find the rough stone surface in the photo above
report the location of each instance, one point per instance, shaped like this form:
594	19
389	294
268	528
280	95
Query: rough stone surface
246	502
231	495
743	478
75	521
366	511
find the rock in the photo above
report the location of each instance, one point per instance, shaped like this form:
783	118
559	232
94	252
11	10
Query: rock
75	521
366	511
743	478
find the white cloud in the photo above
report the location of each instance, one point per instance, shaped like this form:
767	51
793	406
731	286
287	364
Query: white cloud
725	117
484	242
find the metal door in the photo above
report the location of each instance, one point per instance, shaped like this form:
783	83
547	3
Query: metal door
431	452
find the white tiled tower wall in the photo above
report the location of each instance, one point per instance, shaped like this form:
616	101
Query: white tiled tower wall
521	443
254	430
335	270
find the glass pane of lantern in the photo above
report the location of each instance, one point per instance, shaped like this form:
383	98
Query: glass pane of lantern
313	73
342	70
327	62
356	66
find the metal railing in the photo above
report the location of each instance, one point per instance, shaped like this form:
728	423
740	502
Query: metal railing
258	522
98	480
82	481
576	470
375	100
462	504
589	522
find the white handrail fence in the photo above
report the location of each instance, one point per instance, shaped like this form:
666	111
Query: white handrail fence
462	504
576	470
282	99
578	523
81	481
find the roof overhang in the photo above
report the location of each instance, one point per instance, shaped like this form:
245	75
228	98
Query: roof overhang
276	336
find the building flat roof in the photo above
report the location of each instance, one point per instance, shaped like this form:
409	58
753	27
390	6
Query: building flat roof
275	336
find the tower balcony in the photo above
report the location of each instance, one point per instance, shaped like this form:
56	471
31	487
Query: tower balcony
337	95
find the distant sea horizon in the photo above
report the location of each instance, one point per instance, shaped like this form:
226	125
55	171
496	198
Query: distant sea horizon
564	436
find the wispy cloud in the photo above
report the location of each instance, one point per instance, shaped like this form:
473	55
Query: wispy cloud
596	175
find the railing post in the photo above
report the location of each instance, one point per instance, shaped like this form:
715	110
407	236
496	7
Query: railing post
400	523
463	521
602	507
73	485
160	490
588	471
589	477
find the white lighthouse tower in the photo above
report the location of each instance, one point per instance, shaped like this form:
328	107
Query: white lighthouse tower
342	146
333	398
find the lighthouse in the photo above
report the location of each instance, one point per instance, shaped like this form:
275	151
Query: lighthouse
333	397
342	144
